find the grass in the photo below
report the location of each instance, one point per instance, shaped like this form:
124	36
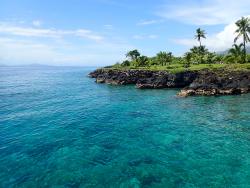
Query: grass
175	68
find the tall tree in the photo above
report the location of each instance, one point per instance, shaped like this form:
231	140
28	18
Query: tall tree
243	29
133	55
199	35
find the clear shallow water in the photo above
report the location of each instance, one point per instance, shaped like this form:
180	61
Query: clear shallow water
60	129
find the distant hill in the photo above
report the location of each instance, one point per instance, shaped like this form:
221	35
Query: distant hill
24	65
226	51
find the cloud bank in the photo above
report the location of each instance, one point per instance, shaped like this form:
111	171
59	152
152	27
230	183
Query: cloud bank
205	12
216	42
29	45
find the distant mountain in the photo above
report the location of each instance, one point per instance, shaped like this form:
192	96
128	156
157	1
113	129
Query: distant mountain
226	51
24	65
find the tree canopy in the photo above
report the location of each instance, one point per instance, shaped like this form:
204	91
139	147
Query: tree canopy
197	54
243	30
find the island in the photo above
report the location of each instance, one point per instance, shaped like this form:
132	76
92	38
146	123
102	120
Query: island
197	72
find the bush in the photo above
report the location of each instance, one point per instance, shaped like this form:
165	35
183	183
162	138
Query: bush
125	63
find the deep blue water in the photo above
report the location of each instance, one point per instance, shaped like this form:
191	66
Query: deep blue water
58	128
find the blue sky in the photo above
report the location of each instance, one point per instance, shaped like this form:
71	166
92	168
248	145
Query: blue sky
100	32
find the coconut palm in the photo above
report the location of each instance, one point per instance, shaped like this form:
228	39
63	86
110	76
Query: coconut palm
236	52
243	30
199	50
199	35
163	58
142	61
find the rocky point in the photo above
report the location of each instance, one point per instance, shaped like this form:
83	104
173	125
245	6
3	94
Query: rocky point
205	82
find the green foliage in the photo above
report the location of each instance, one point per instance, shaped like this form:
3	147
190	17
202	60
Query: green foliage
153	61
142	61
209	58
164	58
243	30
133	55
199	55
178	60
197	58
235	54
188	58
199	35
200	50
117	65
248	58
126	63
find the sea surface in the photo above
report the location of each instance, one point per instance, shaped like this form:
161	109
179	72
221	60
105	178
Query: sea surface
58	128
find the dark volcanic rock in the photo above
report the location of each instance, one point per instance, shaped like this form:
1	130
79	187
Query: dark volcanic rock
144	78
119	77
167	80
218	83
204	82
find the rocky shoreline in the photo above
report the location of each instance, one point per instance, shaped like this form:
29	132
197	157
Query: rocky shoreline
205	82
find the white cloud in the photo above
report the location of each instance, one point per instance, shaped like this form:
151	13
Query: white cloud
36	23
51	33
20	44
216	42
26	51
142	37
85	34
149	22
21	51
207	12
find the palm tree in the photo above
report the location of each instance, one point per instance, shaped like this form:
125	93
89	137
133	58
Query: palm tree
188	58
199	35
133	55
243	30
236	52
163	58
142	61
199	50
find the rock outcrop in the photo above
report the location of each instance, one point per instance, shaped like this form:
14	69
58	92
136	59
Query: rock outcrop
161	79
144	79
204	82
218	83
119	77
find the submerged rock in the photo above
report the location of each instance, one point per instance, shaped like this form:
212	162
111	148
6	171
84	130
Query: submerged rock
132	183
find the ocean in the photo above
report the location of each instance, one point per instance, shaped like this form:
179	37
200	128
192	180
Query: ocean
58	128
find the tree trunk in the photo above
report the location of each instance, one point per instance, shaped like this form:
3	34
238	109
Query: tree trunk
245	53
200	52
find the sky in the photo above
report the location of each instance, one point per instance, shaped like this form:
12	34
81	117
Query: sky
100	32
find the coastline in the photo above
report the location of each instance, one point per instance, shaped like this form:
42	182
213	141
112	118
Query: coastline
202	82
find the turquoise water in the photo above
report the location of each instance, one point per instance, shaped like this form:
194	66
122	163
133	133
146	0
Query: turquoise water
60	129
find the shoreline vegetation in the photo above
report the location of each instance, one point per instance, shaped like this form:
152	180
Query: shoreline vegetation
198	71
